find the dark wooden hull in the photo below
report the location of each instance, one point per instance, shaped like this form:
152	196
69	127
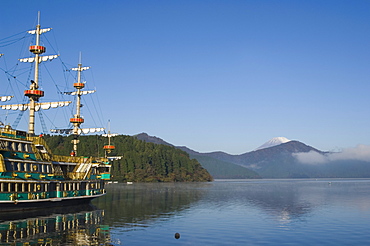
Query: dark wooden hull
39	204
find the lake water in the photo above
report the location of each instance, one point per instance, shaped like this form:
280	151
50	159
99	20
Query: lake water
224	212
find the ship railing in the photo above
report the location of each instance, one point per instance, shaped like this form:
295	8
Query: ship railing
101	160
8	132
70	159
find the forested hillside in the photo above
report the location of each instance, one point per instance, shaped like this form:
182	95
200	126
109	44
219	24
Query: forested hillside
141	161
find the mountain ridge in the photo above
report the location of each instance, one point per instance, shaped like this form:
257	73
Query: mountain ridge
281	161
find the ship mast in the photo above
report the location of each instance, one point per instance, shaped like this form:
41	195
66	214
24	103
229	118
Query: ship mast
77	120
33	93
108	148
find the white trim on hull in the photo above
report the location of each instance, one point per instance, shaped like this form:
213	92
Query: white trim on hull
37	204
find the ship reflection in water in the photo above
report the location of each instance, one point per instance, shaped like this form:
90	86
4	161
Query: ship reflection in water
81	225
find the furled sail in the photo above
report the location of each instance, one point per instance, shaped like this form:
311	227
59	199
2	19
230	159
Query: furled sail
41	31
80	68
81	92
5	98
44	105
41	58
80	130
113	158
110	135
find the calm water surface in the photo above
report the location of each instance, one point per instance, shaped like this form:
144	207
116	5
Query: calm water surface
243	212
224	212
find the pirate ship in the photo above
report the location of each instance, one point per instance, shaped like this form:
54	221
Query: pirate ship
31	176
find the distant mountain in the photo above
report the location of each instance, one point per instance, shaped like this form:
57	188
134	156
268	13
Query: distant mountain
253	158
278	158
225	170
273	142
150	139
217	168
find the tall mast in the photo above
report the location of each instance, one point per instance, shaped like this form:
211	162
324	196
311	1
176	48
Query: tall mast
108	148
77	120
33	93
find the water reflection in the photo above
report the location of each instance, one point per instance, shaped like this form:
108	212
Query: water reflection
79	225
245	212
143	204
289	200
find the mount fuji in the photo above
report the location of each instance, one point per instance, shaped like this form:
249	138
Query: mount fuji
273	142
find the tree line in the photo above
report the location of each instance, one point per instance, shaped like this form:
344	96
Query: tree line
141	161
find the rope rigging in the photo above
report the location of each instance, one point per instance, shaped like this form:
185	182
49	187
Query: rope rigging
18	77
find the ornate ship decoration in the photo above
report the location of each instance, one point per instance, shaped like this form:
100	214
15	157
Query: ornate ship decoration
31	176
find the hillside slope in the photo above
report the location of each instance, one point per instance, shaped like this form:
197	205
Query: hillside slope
141	161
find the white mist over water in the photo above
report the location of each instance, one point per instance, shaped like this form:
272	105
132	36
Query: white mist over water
360	153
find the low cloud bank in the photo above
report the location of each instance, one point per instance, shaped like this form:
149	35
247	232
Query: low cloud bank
359	153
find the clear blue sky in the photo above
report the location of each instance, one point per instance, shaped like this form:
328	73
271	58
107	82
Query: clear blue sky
218	75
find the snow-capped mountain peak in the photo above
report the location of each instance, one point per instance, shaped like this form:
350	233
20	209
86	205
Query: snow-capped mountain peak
273	142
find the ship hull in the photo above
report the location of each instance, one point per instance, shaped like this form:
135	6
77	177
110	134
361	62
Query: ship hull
28	205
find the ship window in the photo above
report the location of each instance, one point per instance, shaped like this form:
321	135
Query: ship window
28	148
11	187
2	187
18	187
19	166
9	145
13	146
5	187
